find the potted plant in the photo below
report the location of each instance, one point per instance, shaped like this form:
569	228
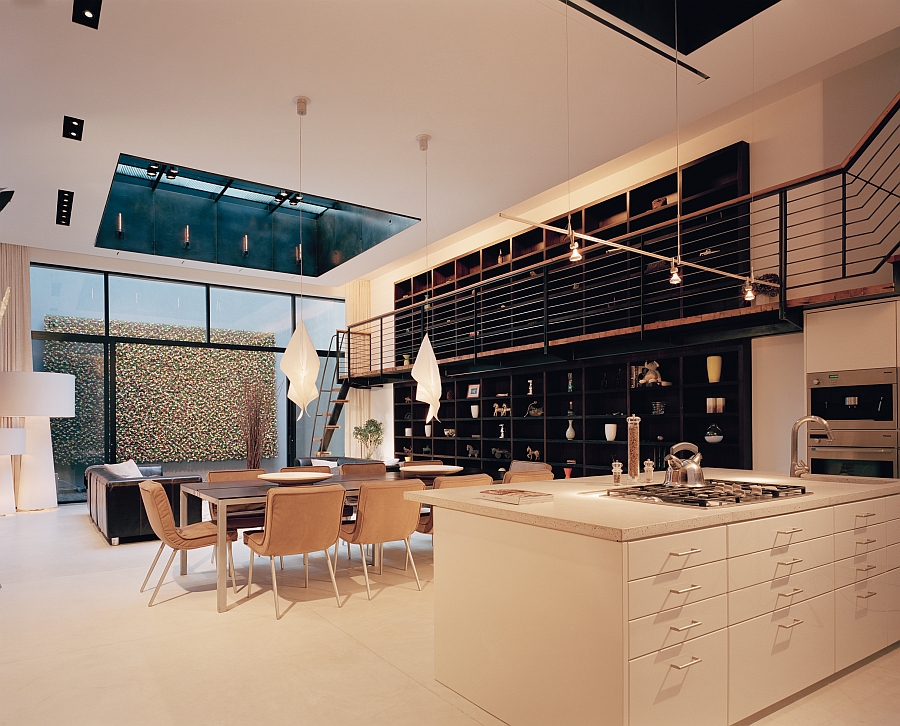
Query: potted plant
370	436
766	288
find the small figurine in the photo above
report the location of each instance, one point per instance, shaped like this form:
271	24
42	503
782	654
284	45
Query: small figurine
449	395
651	375
407	400
532	454
530	387
470	452
503	410
570	387
407	450
502	432
571	411
534	410
500	453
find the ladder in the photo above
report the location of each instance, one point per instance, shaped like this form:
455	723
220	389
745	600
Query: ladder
337	387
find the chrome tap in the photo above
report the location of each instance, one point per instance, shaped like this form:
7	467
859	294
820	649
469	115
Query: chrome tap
798	466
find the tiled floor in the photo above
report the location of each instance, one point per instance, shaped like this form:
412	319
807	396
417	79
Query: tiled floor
78	644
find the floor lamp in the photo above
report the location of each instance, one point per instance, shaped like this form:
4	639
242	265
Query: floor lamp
37	396
12	442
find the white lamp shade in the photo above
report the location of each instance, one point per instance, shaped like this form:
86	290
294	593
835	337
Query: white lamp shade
12	441
30	393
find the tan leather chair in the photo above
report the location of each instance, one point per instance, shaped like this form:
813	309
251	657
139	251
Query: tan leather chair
518	477
299	520
426	519
191	537
370	467
242	516
310	469
530	466
383	515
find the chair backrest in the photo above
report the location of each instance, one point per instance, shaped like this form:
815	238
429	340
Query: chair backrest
302	519
234	474
530	466
159	512
383	515
404	464
517	477
309	469
370	467
470	480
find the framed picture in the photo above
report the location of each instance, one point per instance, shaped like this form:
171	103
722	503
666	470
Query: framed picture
474	390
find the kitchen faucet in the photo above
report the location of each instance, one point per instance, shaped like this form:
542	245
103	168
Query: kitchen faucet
799	467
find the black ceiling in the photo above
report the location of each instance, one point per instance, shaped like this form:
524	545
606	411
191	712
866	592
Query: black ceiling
699	21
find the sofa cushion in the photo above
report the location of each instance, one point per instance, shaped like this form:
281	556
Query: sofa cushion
126	470
151	470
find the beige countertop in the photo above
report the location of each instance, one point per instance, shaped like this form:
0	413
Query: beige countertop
581	506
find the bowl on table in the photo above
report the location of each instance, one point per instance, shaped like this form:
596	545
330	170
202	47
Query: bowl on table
295	477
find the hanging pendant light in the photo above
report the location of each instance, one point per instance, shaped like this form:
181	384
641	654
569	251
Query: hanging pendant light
674	273
575	255
748	291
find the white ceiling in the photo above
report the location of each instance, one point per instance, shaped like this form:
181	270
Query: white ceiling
208	84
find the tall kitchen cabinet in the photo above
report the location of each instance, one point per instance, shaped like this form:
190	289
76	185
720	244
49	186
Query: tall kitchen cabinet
852	337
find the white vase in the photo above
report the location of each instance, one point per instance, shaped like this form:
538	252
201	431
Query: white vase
610	431
570	432
428	429
474	410
714	368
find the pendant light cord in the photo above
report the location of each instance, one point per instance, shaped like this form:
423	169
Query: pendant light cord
678	180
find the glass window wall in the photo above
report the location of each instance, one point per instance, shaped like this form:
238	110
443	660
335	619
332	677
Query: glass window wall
140	308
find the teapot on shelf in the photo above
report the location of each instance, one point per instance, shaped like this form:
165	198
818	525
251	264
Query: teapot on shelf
684	472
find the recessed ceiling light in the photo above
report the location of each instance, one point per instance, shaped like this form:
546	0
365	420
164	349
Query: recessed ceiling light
73	128
63	206
86	12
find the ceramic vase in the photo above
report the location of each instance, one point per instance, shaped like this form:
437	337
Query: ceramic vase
714	368
568	472
428	429
610	431
474	410
570	432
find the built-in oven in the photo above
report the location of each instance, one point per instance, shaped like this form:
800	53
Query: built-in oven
854	453
864	399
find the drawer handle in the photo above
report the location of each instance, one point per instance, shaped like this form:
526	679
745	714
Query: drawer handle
865	541
694	624
792	530
866	514
866	568
691	551
796	622
693	661
792	561
795	591
686	589
866	595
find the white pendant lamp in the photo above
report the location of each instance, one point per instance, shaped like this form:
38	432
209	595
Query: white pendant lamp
37	396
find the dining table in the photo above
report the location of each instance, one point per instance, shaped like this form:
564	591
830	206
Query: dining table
230	494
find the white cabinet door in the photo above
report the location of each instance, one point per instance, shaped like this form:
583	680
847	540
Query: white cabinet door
685	684
671	627
769	532
892	581
860	620
775	655
778	562
856	570
673	552
860	541
858	516
766	597
675	589
851	337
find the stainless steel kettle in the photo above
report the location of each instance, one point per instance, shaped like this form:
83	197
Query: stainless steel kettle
684	472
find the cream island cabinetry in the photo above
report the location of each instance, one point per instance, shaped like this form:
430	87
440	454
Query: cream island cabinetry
590	610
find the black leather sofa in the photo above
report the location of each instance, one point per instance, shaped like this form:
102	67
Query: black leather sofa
116	507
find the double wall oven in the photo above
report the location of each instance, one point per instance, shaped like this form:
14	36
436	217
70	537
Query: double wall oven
861	408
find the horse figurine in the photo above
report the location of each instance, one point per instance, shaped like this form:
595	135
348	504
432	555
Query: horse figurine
501	410
532	454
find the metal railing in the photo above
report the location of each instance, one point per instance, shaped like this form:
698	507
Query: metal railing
825	233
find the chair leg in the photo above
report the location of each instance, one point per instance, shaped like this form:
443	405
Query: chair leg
365	571
306	569
275	588
413	563
349	556
282	561
159	584
231	568
250	573
333	581
380	549
162	546
406	563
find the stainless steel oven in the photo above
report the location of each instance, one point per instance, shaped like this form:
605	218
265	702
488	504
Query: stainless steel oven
854	453
864	399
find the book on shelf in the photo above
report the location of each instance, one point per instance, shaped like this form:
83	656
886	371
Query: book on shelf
515	496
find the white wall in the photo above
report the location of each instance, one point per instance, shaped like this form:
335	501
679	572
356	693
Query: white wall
779	399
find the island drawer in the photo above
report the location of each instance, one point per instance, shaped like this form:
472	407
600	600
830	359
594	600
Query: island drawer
892	531
892	507
859	541
684	684
860	568
671	627
763	534
675	552
674	589
859	514
892	557
767	565
777	654
767	597
892	585
861	620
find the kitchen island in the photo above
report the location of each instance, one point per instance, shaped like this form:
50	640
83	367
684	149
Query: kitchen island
595	610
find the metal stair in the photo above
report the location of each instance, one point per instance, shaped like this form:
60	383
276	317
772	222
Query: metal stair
337	385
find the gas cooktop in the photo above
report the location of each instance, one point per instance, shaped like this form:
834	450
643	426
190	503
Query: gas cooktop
716	493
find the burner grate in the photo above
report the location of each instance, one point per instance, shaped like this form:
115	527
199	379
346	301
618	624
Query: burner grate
716	493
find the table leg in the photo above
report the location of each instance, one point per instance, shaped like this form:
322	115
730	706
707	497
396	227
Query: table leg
222	558
183	520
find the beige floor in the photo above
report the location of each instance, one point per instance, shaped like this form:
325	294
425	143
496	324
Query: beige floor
79	646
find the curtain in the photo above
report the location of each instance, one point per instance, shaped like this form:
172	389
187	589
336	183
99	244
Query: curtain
359	409
15	328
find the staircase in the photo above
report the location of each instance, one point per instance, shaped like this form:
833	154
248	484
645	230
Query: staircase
337	386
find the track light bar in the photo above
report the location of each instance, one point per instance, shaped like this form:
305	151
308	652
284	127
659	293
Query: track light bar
73	128
64	207
87	13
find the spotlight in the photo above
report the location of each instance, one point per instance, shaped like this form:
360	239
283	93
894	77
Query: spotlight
295	200
298	254
674	275
245	246
153	170
120	233
186	238
87	13
72	128
748	291
64	207
575	256
281	196
171	172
